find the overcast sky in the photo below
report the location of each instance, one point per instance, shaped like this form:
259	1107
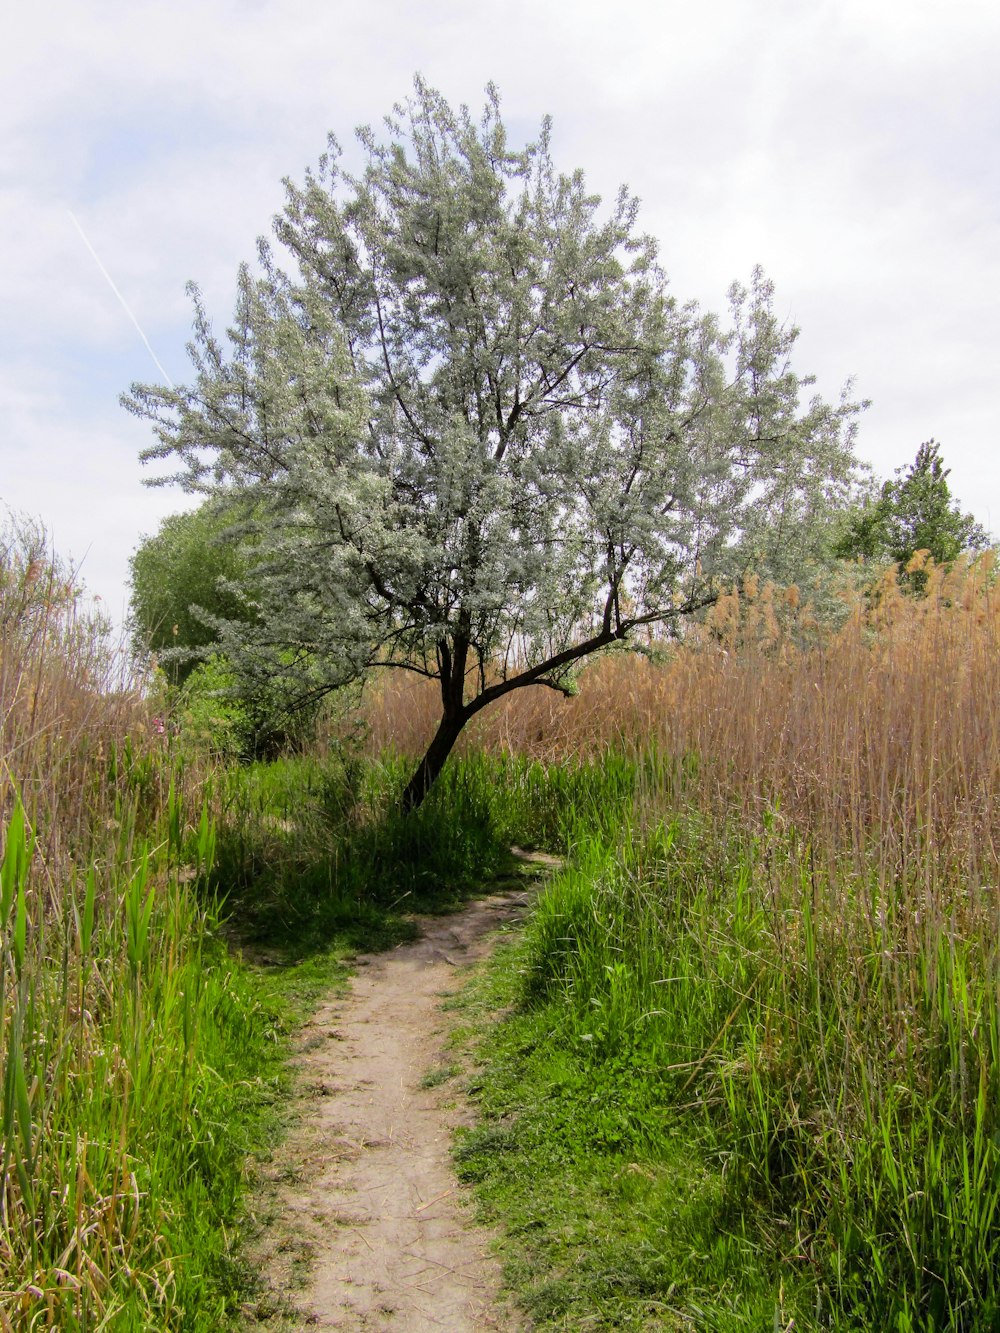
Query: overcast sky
849	146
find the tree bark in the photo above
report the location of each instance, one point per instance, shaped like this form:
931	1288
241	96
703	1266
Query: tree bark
433	761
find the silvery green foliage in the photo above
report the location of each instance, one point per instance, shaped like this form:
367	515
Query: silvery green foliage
480	437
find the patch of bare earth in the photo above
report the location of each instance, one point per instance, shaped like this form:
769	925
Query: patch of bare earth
370	1228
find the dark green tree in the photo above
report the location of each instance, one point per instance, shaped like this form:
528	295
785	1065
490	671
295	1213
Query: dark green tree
178	575
184	581
913	512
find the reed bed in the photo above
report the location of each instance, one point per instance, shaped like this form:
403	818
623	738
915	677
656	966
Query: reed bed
68	700
119	1012
880	738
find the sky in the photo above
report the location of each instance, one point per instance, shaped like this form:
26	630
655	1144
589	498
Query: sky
848	146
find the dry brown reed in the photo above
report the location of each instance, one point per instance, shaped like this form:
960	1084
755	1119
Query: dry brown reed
68	697
880	738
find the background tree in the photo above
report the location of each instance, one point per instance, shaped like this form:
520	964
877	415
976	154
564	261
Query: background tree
186	569
187	578
480	439
914	512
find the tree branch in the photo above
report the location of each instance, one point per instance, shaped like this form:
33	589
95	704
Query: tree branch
605	637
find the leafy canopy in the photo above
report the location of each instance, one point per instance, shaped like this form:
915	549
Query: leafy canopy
913	512
480	437
186	570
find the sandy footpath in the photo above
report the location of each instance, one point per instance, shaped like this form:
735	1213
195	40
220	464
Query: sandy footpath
369	1227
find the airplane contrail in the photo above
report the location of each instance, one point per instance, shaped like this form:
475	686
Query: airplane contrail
122	301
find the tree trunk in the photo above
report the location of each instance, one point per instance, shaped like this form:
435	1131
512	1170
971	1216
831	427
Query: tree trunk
433	761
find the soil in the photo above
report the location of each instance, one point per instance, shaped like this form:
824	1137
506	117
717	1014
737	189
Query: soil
370	1228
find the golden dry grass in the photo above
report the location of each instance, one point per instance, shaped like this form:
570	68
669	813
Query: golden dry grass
879	738
67	698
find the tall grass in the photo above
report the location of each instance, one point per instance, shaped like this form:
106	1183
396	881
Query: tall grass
795	939
123	1025
848	1069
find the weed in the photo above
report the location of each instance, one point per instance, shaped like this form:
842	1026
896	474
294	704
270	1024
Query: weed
434	1078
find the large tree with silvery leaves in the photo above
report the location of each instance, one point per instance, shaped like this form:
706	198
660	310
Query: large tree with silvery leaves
480	440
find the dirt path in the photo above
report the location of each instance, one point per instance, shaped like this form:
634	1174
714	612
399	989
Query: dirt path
370	1227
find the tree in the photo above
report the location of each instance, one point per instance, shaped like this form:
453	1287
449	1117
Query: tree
482	440
189	576
185	570
914	512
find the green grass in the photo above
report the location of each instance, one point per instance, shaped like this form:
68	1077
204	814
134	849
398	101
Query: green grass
729	1091
612	1201
434	1078
310	851
140	1068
